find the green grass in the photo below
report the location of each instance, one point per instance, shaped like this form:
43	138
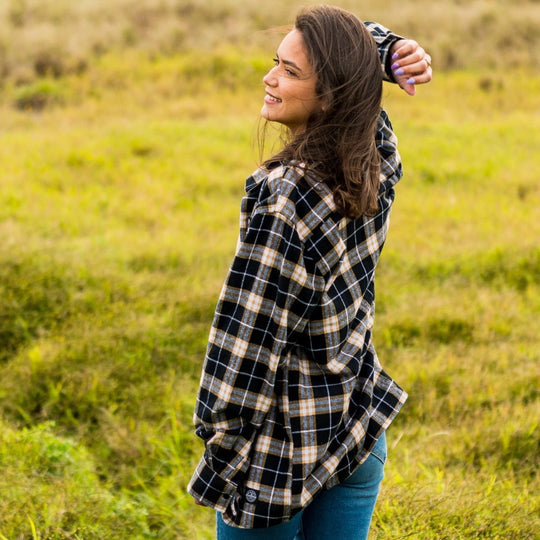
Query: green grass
118	217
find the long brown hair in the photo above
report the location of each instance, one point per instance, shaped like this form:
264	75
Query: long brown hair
338	143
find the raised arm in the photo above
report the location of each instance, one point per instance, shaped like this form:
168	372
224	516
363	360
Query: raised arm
403	61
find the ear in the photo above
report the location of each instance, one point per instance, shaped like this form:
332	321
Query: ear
324	101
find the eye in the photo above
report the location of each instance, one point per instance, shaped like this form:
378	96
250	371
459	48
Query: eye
288	71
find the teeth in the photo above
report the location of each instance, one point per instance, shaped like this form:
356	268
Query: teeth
274	99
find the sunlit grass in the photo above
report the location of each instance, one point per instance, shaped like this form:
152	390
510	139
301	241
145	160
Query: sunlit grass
118	217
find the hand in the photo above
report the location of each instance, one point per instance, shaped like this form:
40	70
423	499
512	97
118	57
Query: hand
411	65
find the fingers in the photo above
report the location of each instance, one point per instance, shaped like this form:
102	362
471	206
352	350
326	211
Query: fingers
409	87
411	64
421	72
407	50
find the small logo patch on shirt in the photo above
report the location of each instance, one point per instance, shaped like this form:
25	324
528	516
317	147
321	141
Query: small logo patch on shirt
251	496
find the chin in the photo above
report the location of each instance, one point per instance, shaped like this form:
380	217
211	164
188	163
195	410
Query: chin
265	113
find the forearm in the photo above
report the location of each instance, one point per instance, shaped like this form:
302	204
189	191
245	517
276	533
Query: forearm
385	40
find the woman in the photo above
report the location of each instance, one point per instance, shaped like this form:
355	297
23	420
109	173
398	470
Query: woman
293	404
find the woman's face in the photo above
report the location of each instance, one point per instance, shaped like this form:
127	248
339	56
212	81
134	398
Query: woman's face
290	86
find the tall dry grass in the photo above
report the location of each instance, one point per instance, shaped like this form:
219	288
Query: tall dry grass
54	37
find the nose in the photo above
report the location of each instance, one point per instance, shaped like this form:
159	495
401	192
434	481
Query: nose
270	78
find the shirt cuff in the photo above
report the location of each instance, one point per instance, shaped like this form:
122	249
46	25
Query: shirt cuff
209	488
388	61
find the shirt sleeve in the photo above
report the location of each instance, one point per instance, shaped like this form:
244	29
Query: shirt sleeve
391	166
384	39
265	300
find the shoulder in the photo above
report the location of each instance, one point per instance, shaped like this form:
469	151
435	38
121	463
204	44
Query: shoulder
292	191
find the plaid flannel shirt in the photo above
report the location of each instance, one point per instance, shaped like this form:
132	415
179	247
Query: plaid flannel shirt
292	396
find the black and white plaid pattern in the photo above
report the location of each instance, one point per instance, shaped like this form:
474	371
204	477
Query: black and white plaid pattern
292	396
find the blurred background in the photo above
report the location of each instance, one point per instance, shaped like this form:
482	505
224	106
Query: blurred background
127	128
57	37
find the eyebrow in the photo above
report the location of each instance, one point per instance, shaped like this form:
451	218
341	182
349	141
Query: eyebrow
289	63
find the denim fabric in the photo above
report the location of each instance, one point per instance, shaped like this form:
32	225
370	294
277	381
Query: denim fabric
343	512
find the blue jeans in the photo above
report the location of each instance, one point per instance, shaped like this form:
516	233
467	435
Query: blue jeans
341	513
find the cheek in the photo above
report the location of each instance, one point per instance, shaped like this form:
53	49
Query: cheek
305	94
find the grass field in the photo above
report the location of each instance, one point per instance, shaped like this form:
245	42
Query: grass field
119	194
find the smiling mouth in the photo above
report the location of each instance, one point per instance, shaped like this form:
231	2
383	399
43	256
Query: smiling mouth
272	99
